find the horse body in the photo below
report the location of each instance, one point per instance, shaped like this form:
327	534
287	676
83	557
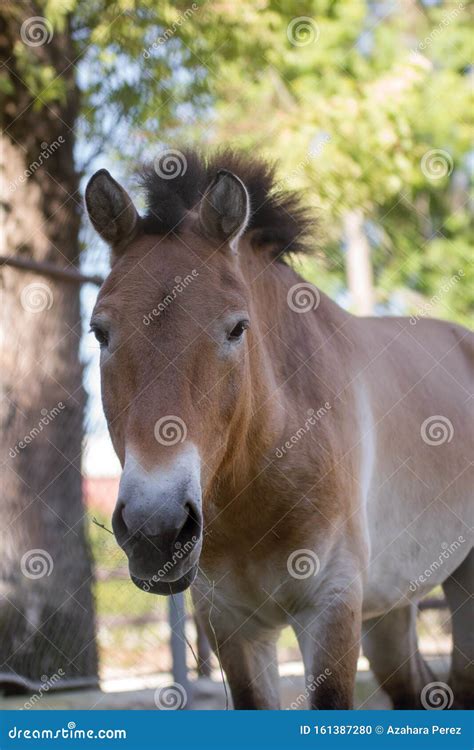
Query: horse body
419	497
307	486
394	506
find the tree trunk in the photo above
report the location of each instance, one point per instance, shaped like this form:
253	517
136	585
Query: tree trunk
47	625
358	264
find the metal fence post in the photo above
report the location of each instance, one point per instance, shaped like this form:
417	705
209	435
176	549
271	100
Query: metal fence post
177	620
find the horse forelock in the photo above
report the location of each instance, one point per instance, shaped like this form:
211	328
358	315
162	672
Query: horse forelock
278	219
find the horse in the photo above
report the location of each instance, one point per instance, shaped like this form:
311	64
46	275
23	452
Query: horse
291	462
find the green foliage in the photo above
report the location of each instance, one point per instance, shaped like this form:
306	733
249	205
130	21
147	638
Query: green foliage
352	99
369	110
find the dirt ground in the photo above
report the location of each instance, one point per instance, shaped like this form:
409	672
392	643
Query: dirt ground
202	694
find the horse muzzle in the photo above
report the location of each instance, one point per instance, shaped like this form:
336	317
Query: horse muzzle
166	588
158	523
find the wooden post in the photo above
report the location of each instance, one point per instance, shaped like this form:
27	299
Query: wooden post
358	264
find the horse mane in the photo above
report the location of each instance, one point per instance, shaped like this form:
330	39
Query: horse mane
279	220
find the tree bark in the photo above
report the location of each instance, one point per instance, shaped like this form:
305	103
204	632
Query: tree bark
47	624
358	264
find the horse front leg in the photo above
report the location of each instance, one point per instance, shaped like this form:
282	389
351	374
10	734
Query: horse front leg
251	669
246	651
249	662
329	639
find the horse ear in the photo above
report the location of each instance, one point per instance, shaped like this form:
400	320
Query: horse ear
224	211
111	210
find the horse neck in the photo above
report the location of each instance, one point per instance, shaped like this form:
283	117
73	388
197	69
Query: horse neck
289	336
276	386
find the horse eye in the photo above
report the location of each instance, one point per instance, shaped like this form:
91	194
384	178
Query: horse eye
101	335
237	332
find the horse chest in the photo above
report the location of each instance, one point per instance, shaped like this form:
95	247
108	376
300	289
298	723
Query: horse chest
251	592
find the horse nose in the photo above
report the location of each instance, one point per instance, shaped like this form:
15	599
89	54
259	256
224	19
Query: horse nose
158	517
162	525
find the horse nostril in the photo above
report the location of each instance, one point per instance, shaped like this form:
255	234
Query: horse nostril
191	529
118	522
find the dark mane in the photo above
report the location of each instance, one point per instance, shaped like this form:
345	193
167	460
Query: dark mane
278	218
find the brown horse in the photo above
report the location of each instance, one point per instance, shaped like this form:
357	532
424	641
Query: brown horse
296	464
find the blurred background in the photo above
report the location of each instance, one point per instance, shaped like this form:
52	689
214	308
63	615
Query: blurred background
367	108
